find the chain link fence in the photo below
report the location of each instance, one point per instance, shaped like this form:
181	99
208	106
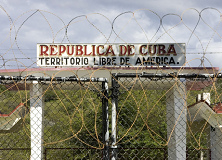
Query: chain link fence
136	116
72	117
152	112
73	129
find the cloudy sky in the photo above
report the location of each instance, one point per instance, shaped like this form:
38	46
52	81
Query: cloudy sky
24	23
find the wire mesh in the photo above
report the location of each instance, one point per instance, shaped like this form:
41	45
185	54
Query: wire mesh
155	119
75	121
72	118
159	116
15	136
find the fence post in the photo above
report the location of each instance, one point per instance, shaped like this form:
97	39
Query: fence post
176	120
105	118
115	91
36	120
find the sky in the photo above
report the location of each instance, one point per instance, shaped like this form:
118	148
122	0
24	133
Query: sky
24	23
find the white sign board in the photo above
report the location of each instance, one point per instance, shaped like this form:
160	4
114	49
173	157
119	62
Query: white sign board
110	55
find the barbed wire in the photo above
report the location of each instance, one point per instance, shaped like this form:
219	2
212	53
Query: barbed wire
114	30
23	58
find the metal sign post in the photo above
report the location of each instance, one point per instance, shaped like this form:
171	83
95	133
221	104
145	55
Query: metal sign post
114	118
105	114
